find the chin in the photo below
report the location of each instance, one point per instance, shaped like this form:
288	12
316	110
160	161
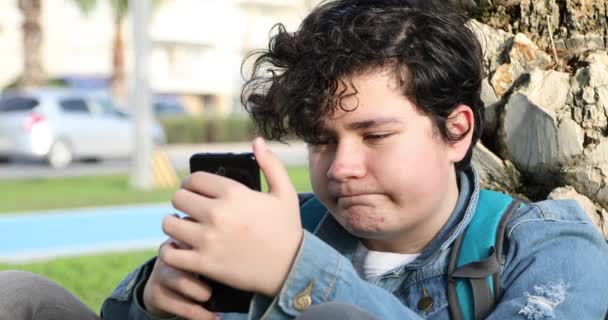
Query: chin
361	222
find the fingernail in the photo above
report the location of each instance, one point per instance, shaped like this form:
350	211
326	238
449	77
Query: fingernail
260	143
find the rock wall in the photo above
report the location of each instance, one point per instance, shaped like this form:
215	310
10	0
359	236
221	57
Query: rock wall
546	131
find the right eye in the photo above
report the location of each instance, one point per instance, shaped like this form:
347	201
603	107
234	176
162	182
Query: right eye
320	143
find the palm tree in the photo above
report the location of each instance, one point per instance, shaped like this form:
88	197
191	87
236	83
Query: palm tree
120	8
119	12
33	73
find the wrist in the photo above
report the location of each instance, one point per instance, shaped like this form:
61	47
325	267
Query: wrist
273	291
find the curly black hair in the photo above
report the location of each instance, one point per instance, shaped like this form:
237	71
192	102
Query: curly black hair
434	55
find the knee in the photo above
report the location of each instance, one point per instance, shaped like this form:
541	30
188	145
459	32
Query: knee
23	283
335	310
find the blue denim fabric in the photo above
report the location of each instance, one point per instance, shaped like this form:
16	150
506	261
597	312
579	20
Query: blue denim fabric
554	266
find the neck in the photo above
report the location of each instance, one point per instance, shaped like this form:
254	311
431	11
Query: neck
421	234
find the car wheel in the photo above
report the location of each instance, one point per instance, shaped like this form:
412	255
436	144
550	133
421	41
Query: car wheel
60	155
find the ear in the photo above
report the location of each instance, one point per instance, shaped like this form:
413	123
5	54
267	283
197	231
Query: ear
460	123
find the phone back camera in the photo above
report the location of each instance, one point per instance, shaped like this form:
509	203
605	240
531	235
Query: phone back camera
221	171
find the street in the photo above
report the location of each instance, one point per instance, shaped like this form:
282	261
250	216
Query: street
293	154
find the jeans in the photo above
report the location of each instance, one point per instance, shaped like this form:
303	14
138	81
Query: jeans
27	296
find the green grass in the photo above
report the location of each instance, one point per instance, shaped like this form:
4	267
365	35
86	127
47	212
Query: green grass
90	278
59	193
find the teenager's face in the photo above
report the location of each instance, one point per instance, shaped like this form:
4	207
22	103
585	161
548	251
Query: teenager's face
385	173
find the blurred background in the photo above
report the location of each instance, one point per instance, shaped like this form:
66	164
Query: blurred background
102	103
74	205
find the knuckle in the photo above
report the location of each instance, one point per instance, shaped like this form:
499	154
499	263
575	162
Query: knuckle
197	176
181	284
177	196
163	253
234	190
186	181
193	311
167	225
206	295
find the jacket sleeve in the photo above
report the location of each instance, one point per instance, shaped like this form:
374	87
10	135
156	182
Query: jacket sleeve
555	265
125	302
321	274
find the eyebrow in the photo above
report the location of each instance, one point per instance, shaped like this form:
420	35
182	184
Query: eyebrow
367	124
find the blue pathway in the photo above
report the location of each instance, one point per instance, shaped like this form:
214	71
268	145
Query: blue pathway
41	235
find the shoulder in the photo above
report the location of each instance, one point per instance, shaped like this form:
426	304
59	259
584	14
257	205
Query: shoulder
565	211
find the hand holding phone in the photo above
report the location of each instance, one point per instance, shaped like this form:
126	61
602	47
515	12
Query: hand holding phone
237	236
243	168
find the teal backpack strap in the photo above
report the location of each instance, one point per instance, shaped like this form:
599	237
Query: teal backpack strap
474	267
311	211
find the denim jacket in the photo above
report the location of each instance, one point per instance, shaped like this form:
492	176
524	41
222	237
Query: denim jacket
554	265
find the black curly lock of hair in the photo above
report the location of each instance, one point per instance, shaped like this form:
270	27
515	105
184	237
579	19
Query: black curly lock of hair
436	58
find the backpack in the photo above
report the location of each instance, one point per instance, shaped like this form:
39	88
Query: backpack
474	266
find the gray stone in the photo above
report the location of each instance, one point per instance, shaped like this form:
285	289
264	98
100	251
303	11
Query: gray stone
599	155
570	138
531	137
598	215
535	141
488	96
589	95
493	42
548	89
576	43
599	56
598	74
489	99
502	79
494	173
587	179
594	120
594	41
602	98
525	56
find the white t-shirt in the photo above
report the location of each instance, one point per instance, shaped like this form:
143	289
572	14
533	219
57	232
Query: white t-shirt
372	264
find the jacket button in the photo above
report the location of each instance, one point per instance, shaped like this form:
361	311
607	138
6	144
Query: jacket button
302	301
425	303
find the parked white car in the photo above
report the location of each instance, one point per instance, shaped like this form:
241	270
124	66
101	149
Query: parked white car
62	125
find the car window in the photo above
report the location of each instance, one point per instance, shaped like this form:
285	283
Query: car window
15	103
74	105
102	107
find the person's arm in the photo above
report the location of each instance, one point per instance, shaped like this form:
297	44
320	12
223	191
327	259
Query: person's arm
321	274
556	265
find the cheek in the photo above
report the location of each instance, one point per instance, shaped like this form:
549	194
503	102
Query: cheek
318	167
412	173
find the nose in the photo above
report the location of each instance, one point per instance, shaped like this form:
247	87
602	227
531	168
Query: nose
348	163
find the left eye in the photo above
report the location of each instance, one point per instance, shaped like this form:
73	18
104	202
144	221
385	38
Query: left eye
377	136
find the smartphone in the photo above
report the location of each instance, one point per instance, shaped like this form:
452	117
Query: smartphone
241	167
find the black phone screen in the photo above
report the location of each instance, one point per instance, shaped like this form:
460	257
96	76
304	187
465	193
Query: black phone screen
241	167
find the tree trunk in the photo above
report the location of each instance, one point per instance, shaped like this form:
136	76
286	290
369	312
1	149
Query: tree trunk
33	73
118	63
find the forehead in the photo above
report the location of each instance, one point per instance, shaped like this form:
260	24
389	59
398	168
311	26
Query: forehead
374	95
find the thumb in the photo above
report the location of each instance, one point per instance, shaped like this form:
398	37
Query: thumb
273	169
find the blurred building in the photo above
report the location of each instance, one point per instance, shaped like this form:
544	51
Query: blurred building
197	45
